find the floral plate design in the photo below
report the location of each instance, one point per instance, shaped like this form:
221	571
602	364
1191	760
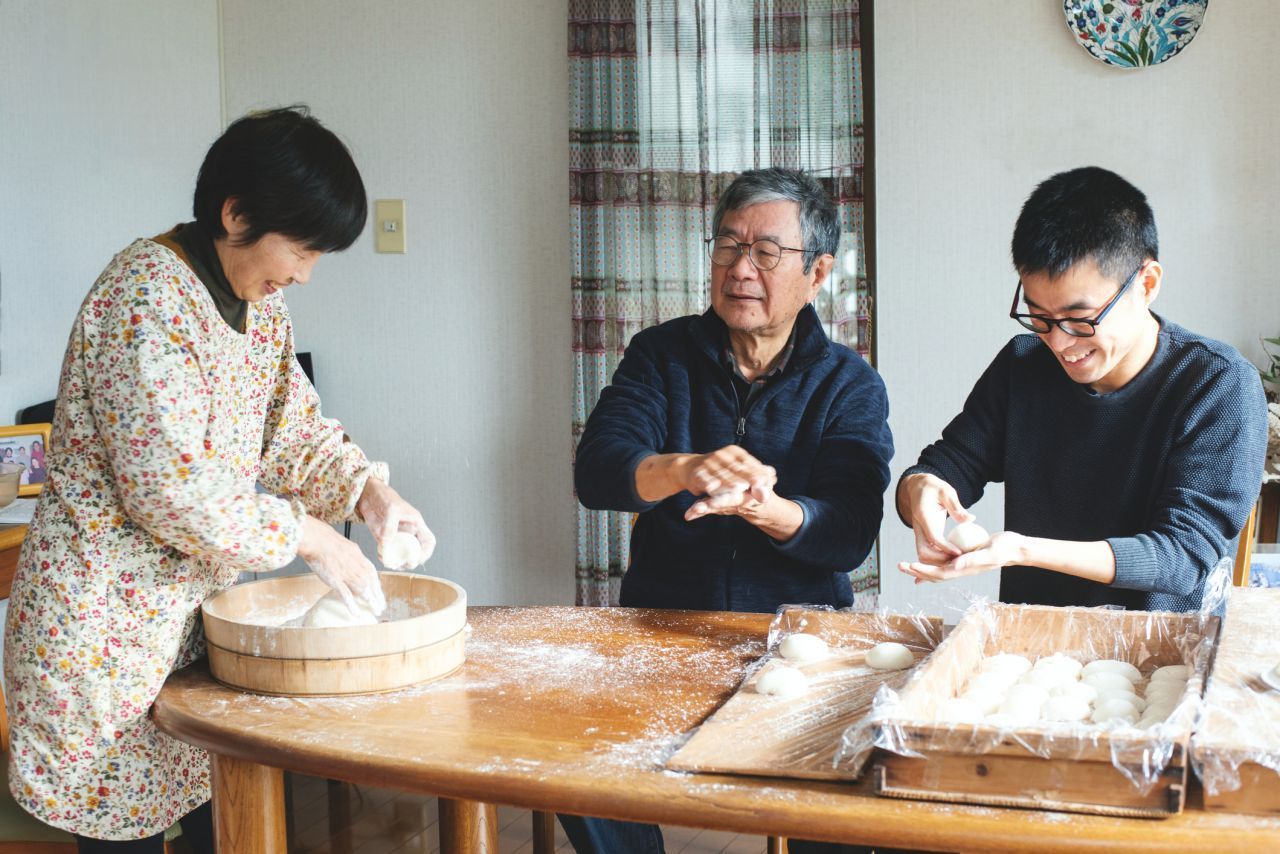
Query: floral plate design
1134	33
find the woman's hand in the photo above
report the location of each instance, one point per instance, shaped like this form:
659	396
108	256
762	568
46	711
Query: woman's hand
1004	549
385	512
341	565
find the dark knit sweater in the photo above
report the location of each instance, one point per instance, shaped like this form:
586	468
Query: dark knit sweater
821	423
1164	469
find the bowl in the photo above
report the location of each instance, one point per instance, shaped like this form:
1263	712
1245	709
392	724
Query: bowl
10	474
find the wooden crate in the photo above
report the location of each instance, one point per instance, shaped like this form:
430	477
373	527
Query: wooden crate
1039	766
1241	721
769	736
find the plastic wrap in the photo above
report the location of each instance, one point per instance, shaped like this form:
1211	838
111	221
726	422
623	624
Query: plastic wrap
795	735
1240	725
916	721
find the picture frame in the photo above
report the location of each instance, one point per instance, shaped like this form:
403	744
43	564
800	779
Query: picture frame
27	444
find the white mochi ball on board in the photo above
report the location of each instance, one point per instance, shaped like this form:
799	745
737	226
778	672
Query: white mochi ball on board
890	656
1171	672
1169	689
1022	707
1111	665
782	680
331	612
800	647
988	701
968	536
400	550
1109	680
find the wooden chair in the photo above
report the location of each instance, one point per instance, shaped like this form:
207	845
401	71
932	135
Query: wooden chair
22	833
1244	550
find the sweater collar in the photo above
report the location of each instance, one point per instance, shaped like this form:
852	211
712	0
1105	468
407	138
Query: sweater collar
811	343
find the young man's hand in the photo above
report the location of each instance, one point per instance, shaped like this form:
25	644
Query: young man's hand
925	501
1004	549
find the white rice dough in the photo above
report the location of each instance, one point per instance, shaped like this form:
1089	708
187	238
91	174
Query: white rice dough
1047	678
782	680
1171	672
968	536
1166	690
1065	709
1060	662
1112	708
959	710
1079	690
1006	663
1024	702
989	683
890	656
1135	702
1109	680
802	648
988	701
1112	665
331	612
401	550
1000	719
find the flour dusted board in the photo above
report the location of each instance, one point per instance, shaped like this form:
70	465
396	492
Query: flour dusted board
798	737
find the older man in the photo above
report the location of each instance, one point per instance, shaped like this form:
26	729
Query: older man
755	450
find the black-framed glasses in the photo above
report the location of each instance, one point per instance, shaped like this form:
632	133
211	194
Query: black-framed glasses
765	254
1080	327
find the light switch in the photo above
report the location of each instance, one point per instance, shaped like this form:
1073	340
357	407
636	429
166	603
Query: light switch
388	225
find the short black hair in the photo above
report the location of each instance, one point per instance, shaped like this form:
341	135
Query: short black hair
819	221
1085	213
289	175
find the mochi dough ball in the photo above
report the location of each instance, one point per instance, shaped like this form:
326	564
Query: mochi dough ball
890	656
331	612
1079	690
1133	700
1171	672
1047	678
1113	708
801	648
400	550
968	536
1006	663
1111	665
1064	663
959	710
782	680
1109	680
1065	709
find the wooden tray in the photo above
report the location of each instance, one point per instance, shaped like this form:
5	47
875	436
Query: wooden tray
249	649
771	736
1038	767
1241	721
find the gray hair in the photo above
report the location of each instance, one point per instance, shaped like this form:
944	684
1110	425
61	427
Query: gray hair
819	222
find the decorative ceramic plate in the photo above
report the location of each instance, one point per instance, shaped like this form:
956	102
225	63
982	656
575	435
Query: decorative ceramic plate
1134	33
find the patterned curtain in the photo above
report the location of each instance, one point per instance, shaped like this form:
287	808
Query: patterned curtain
668	101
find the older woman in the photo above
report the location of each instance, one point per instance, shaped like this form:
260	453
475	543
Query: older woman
180	394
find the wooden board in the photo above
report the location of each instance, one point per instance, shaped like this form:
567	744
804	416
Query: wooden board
1237	744
250	648
1038	766
798	737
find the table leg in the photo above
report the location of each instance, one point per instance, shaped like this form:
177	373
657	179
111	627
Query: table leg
248	807
544	832
468	827
777	845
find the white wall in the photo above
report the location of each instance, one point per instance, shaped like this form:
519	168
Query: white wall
972	111
452	362
106	110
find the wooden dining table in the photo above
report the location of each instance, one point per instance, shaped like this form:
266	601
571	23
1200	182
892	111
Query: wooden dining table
576	710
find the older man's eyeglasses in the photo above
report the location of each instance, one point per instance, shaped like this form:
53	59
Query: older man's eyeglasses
1080	327
764	254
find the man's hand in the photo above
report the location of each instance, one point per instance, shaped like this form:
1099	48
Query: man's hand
925	501
1004	549
728	470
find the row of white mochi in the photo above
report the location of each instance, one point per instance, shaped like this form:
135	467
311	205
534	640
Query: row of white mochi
1008	690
